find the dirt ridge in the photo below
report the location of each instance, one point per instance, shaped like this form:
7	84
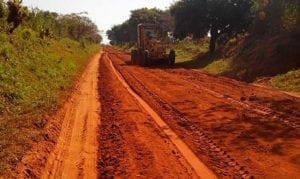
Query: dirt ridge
132	144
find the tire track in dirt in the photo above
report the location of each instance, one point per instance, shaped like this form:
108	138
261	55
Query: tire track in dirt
131	143
219	159
250	97
283	117
193	160
260	143
75	154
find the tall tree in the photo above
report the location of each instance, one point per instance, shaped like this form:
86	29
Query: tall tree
275	16
16	13
298	15
219	17
2	10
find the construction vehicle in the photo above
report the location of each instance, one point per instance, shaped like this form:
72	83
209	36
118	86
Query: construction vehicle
151	47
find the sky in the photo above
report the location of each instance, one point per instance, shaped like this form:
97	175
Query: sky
105	13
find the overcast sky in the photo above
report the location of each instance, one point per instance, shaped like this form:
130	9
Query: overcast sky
105	13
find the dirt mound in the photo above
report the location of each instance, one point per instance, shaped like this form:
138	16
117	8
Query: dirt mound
265	57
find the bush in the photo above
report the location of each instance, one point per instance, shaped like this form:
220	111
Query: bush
24	34
7	51
289	81
27	34
3	37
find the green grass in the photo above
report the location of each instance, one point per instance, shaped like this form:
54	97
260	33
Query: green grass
218	66
194	55
187	50
288	82
34	75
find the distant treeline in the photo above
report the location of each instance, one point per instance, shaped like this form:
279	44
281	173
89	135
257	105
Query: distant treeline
47	24
222	19
127	31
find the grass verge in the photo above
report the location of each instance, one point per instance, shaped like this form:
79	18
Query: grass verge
187	50
288	82
218	66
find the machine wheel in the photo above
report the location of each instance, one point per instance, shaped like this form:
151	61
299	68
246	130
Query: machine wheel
172	57
134	57
144	58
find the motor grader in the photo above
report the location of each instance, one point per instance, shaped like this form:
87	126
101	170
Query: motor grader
150	46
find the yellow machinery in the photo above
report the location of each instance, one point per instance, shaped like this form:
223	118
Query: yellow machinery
151	47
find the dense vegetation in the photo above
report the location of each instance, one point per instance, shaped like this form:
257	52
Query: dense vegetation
40	55
244	39
218	17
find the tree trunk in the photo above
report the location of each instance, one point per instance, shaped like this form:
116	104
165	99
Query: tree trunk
213	39
298	15
275	10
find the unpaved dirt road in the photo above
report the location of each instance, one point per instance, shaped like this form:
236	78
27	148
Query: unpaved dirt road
157	122
131	143
236	129
75	154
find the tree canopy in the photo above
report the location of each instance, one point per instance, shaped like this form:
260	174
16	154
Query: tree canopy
219	17
1	9
48	24
74	26
191	17
127	31
275	17
16	13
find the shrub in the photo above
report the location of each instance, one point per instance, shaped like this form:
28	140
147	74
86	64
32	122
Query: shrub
7	51
3	37
27	34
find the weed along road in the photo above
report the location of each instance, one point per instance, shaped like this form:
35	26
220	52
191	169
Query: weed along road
129	121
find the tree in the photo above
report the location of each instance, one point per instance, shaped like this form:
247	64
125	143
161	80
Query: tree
79	27
74	26
2	10
127	31
274	17
296	3
219	17
16	13
120	33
